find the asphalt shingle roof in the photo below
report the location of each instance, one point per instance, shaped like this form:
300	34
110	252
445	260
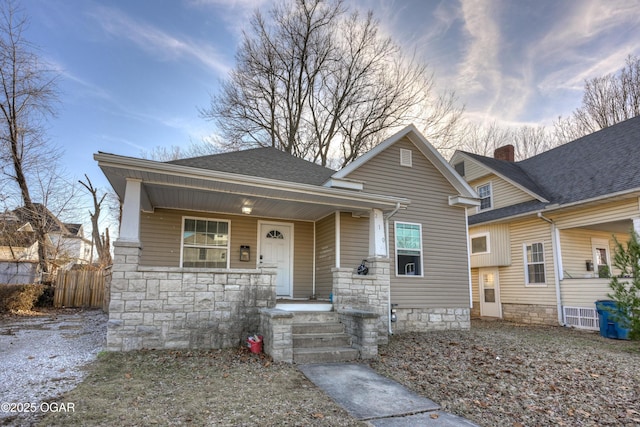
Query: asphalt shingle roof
262	162
604	162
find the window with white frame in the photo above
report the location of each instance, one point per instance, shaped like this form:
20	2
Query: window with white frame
484	193
534	264
408	249
480	244
205	243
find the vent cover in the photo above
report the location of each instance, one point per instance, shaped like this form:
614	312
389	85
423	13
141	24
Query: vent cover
405	157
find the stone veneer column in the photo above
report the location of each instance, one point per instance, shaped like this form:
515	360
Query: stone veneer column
121	327
367	293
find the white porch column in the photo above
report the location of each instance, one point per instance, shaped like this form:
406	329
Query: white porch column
130	225
377	240
636	225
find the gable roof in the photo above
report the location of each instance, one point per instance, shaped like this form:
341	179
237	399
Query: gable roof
512	172
601	164
264	162
428	150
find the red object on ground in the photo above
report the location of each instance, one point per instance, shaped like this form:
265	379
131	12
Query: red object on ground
255	346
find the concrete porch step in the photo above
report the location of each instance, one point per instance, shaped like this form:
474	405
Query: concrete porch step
316	317
324	355
319	337
317	328
321	340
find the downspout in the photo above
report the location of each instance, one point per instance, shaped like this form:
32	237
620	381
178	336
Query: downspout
386	223
555	250
466	220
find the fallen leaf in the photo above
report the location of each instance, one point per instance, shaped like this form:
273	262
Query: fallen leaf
434	416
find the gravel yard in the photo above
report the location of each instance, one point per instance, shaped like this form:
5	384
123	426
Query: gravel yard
497	374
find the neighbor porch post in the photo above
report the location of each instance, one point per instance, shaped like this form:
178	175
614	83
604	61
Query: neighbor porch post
130	224
636	225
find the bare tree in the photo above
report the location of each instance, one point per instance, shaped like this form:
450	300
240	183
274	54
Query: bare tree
175	152
483	139
101	243
321	83
607	100
27	95
529	141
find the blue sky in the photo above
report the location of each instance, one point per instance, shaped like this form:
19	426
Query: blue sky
135	72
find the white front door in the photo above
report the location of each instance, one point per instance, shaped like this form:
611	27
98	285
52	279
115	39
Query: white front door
276	243
489	293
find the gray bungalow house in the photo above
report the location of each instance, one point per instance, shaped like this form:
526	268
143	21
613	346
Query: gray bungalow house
214	248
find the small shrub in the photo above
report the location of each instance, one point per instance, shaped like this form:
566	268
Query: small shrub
19	297
46	299
626	288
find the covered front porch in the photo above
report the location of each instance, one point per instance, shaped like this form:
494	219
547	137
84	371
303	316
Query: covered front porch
201	258
585	255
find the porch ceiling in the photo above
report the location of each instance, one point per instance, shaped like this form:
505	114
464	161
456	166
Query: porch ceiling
622	227
179	187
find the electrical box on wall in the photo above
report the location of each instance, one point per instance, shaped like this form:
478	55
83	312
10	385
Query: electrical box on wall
245	253
589	265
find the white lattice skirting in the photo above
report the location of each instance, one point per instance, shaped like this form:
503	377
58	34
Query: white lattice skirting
581	317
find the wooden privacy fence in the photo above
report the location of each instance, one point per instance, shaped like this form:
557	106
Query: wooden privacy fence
81	288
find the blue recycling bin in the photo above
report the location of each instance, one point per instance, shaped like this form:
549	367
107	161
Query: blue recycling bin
610	326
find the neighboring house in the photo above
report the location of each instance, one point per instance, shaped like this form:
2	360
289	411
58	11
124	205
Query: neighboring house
65	242
209	245
542	239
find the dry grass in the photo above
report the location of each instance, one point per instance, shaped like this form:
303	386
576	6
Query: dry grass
217	388
497	374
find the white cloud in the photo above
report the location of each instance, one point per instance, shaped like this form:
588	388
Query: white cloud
159	43
588	41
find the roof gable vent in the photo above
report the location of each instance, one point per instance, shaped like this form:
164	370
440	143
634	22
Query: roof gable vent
405	157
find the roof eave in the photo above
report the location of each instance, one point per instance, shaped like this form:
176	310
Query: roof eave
143	165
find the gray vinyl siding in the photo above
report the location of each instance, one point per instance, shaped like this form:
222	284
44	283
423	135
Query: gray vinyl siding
325	255
354	240
474	170
303	260
444	239
499	246
160	233
503	193
513	289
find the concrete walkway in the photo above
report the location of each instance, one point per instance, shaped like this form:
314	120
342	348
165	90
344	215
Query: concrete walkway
378	400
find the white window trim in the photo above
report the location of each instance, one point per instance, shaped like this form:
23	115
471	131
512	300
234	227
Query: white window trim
490	184
600	243
395	244
205	219
526	265
475	236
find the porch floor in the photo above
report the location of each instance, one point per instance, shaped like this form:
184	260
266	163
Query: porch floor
303	305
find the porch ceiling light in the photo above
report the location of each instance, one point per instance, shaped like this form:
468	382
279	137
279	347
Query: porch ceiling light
246	210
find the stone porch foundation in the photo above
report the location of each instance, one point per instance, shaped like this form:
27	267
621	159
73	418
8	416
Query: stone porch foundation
431	319
528	313
170	307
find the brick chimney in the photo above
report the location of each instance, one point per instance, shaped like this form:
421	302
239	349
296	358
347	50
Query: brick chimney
505	152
